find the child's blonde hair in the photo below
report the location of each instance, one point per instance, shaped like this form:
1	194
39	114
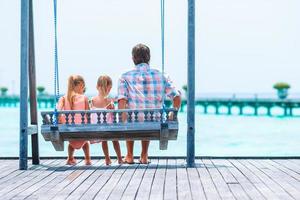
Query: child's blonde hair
103	83
73	81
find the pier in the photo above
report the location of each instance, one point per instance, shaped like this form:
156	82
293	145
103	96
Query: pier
226	178
287	105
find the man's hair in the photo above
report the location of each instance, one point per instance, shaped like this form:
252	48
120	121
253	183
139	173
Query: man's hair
140	54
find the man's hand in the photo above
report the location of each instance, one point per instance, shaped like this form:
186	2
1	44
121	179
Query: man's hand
122	105
177	102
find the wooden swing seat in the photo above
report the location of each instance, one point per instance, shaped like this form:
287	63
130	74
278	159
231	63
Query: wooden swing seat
140	124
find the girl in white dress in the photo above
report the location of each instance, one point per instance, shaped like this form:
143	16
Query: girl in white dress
102	101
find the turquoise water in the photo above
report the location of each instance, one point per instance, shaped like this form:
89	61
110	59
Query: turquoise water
216	135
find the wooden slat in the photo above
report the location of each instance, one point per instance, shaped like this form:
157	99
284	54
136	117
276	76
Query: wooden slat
28	181
290	165
109	186
250	189
104	177
222	187
10	169
60	173
162	179
118	191
296	161
269	182
209	188
147	182
21	178
86	171
69	174
42	183
291	173
89	181
157	189
195	183
183	185
170	192
252	177
280	178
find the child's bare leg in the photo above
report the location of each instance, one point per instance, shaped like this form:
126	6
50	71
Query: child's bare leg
118	151
71	160
106	153
144	154
86	150
129	157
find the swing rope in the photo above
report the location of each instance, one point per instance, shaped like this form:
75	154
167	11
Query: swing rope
162	24
56	72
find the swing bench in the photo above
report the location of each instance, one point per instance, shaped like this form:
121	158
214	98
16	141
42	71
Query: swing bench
140	124
154	125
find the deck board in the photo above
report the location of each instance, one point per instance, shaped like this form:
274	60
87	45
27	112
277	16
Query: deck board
238	177
144	189
161	179
281	194
223	188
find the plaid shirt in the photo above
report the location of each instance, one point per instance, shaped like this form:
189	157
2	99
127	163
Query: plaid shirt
144	87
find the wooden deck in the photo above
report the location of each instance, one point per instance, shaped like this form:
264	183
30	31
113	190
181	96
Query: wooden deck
161	179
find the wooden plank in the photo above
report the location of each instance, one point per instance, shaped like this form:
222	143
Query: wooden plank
98	167
223	167
62	173
114	179
170	192
291	173
280	178
252	177
247	186
269	182
69	174
183	185
219	182
197	189
46	182
101	181
28	181
147	182
209	188
290	165
43	183
70	181
157	189
11	172
7	168
21	178
120	188
73	185
296	161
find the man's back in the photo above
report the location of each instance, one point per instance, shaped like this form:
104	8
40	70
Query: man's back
144	87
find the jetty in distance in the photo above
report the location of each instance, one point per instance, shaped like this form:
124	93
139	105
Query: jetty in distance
209	105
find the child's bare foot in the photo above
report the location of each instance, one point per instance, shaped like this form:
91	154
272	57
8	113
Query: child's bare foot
120	161
128	160
71	161
107	161
88	161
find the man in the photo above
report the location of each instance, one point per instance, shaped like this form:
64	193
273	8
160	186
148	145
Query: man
144	87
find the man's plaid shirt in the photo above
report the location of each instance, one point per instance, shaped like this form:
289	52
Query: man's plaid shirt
144	87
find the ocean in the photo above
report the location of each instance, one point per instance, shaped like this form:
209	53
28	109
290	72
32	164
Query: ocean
216	135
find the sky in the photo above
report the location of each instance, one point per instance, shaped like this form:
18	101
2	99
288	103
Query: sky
242	46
